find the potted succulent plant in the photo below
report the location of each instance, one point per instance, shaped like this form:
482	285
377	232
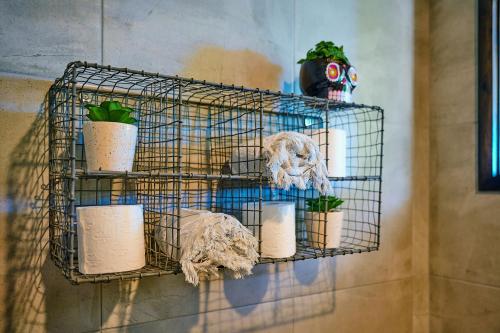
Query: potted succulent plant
324	210
110	137
327	73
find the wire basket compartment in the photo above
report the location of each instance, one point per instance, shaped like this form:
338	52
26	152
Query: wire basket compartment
199	147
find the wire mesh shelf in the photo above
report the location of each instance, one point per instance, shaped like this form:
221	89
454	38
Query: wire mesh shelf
188	133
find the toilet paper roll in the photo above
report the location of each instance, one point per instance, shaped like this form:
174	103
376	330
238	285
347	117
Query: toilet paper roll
336	148
278	226
110	239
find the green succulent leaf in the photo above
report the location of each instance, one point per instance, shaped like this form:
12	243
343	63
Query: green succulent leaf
127	109
326	50
122	117
323	203
96	113
111	105
111	111
115	115
130	120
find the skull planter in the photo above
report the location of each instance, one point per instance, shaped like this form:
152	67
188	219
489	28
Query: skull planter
324	78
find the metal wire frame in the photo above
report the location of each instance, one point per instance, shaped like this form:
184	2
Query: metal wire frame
199	147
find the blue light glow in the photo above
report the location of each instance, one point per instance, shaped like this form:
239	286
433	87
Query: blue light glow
494	146
494	99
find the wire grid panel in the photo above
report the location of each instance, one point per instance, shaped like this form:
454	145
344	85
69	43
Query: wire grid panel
71	186
199	147
360	188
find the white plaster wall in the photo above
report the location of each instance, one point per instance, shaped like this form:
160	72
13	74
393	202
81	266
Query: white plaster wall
255	43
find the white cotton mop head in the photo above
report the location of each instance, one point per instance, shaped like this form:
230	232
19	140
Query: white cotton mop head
295	159
209	240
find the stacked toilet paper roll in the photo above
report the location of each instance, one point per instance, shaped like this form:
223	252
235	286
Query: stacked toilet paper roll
278	226
110	239
335	150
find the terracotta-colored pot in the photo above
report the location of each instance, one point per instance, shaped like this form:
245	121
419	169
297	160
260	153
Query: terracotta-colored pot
315	227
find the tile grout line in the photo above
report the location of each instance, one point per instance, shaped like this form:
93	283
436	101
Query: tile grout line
102	31
294	45
294	11
488	285
100	301
23	76
102	62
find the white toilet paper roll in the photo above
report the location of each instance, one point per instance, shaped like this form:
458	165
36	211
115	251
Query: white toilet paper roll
336	162
110	239
278	226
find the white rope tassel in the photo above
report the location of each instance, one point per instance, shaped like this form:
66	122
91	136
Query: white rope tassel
209	240
292	159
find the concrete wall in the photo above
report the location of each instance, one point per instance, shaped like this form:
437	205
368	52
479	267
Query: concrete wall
255	43
465	224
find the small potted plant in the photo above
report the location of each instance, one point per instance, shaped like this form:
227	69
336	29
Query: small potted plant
327	73
320	211
110	137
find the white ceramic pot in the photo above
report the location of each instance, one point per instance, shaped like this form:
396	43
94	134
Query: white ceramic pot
109	146
315	227
110	239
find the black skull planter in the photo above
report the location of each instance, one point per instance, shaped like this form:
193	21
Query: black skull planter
326	73
328	79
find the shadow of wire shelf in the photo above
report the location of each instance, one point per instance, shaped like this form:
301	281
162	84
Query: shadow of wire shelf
198	148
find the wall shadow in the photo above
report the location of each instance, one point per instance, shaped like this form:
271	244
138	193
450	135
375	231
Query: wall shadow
37	296
27	232
315	287
252	289
274	297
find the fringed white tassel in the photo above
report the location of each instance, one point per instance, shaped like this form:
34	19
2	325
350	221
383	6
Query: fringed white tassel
209	240
292	159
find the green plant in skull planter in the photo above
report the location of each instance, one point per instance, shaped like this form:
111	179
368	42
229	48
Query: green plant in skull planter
327	73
